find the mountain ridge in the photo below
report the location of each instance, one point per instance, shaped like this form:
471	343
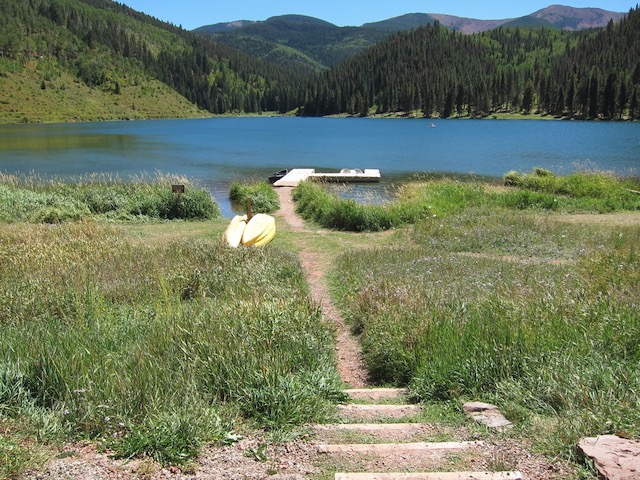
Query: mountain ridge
555	15
312	44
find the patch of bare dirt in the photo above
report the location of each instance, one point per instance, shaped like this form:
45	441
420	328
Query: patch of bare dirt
249	459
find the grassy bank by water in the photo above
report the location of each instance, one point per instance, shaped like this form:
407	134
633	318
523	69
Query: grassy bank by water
500	295
99	197
540	190
151	338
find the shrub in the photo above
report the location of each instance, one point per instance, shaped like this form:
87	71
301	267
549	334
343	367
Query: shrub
54	201
264	198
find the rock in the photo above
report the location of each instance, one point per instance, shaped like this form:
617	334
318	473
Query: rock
615	458
487	414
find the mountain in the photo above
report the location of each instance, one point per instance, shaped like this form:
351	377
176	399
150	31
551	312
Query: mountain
436	71
416	20
312	44
296	41
555	16
567	18
80	60
99	59
224	27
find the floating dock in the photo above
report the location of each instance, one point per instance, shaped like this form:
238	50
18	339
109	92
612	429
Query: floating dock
297	175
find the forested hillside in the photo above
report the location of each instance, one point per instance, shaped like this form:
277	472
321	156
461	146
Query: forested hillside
70	60
299	42
309	43
590	74
110	48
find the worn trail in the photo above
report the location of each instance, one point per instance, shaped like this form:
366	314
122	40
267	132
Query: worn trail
350	362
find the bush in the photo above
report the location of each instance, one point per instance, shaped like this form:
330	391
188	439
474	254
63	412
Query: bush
53	201
191	205
264	198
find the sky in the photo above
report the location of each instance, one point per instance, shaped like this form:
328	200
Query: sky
191	14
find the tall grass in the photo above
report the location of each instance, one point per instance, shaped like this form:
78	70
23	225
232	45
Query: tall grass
540	190
54	201
589	191
156	349
263	197
314	202
537	315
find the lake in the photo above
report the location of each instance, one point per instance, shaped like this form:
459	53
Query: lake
216	151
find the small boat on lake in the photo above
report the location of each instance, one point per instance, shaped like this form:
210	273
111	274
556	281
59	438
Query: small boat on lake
274	177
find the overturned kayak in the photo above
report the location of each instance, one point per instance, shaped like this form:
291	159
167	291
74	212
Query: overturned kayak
259	231
256	232
233	233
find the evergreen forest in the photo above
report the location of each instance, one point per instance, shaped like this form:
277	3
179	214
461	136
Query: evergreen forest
439	72
430	71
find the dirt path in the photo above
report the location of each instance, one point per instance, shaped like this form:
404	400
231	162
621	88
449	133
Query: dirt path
350	362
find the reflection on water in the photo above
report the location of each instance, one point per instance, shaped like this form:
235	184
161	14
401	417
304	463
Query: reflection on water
37	144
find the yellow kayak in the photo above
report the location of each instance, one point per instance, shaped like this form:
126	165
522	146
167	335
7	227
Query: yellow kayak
233	233
259	231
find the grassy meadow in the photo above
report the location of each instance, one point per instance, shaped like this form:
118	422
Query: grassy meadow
499	294
150	337
137	328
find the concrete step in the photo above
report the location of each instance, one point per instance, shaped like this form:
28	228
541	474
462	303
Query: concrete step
394	448
375	393
431	476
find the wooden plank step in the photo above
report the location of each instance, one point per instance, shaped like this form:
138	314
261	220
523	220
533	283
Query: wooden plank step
431	476
375	393
393	448
356	411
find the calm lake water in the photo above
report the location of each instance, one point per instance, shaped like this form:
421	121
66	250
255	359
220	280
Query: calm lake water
217	151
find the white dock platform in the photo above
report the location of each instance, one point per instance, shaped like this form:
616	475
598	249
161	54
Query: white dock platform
294	177
297	175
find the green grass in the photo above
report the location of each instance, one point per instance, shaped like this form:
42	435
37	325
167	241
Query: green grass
65	98
513	307
102	197
541	190
153	339
315	203
154	344
263	197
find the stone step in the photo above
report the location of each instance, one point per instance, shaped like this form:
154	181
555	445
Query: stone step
375	393
431	476
359	412
394	448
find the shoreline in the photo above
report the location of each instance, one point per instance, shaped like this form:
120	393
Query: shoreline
383	116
